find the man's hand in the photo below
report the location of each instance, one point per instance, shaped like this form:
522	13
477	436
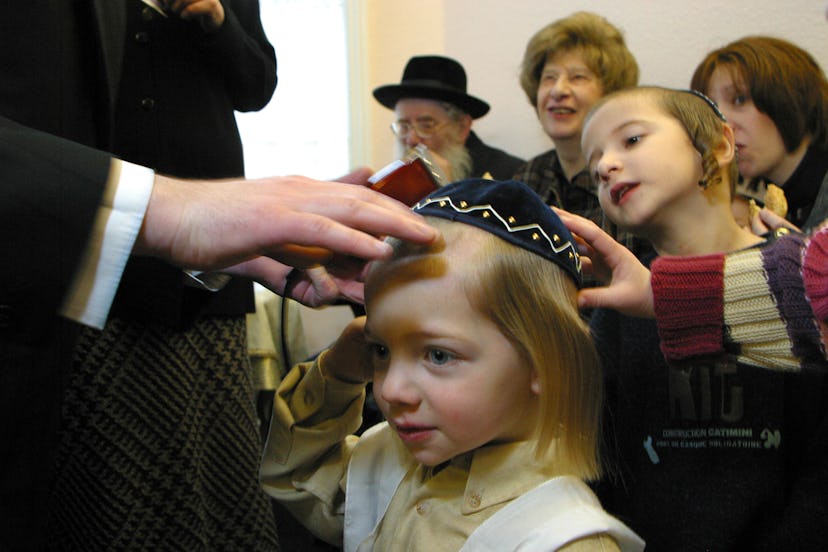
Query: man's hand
313	286
209	13
262	228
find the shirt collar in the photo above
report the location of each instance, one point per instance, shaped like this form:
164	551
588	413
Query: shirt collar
502	472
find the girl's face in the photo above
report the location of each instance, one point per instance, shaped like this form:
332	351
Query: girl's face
567	90
643	160
445	378
759	146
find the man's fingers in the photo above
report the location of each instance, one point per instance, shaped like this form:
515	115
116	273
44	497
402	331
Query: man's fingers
301	256
358	176
347	232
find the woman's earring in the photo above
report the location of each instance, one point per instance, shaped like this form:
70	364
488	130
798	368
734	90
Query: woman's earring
703	184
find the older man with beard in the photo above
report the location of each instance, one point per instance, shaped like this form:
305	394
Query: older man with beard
433	108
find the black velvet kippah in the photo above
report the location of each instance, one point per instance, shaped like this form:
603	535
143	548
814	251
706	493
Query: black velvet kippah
510	210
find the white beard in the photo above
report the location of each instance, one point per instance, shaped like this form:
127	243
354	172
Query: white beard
457	156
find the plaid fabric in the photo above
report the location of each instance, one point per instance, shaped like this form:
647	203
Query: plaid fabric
545	176
160	447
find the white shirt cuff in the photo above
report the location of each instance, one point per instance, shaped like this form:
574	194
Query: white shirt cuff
115	230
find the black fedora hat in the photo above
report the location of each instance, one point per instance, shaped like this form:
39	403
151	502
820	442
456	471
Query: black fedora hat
433	78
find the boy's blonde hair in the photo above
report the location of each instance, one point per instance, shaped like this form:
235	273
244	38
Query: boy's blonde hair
599	42
533	303
700	119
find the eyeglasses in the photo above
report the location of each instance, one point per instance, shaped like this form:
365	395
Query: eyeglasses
424	128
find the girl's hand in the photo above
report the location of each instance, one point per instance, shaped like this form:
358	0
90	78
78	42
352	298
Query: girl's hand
628	290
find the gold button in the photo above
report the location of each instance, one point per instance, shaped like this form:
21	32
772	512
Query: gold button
463	204
486	214
511	220
474	500
556	238
535	236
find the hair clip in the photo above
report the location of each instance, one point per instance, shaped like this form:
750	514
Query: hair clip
709	102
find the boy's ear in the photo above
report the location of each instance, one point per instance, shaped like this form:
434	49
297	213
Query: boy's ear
726	148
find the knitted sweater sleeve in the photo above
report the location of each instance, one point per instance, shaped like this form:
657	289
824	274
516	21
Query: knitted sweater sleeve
815	273
687	293
767	306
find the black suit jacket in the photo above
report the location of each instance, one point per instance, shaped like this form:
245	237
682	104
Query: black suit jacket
50	190
174	112
115	75
486	159
61	66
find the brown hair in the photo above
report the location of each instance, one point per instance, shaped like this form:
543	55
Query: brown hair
784	81
533	303
600	43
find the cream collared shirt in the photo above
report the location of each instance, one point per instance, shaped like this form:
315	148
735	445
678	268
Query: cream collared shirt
309	448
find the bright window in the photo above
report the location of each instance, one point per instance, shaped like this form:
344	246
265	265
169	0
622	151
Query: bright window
305	127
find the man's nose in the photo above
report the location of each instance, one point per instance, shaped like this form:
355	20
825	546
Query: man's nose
412	139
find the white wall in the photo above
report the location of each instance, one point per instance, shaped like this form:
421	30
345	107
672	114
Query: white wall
668	38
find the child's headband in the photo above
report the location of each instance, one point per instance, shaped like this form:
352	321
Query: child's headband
711	103
510	210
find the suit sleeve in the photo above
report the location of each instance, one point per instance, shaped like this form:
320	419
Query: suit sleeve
50	191
245	57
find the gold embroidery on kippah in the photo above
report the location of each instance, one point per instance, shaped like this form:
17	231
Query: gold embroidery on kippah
488	211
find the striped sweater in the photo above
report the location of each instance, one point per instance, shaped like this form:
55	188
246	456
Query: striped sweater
708	448
767	306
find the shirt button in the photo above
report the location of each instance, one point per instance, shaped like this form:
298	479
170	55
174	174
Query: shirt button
421	508
474	500
141	37
148	104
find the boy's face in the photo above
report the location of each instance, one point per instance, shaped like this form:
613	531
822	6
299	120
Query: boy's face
445	378
646	166
566	92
